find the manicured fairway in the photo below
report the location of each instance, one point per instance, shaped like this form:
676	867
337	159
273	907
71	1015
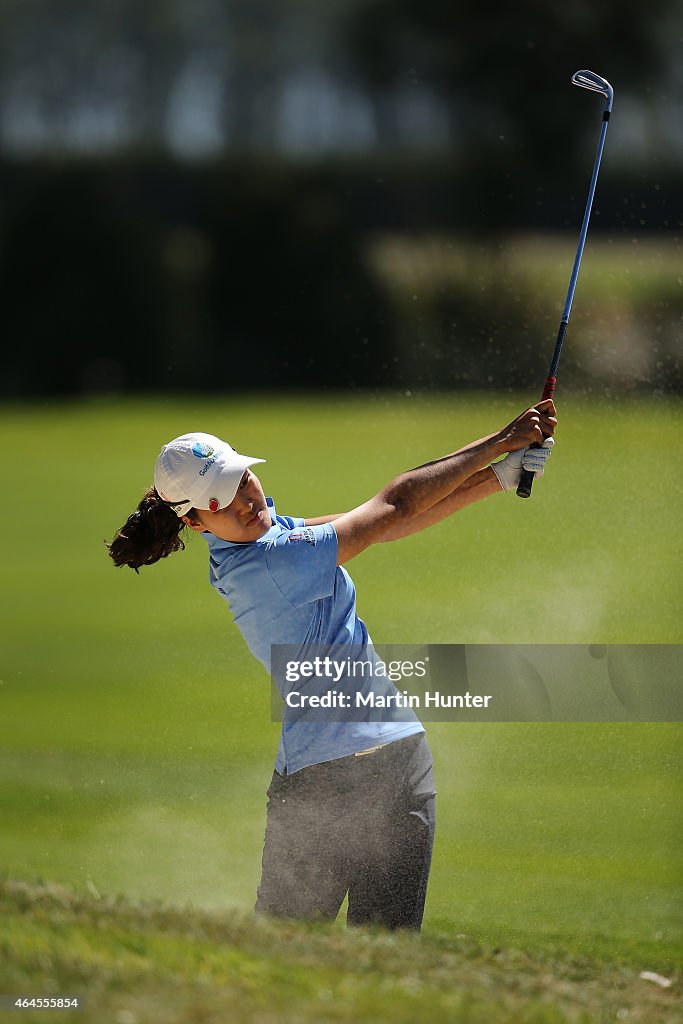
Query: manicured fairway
135	740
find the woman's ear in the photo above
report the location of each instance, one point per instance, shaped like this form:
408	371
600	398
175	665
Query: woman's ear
194	524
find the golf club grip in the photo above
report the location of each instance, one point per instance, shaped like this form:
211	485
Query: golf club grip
526	480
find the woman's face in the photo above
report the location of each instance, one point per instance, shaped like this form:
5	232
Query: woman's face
246	518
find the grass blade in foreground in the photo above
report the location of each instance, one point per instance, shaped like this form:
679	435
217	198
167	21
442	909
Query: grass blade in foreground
147	964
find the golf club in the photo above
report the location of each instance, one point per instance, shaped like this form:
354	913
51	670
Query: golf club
586	80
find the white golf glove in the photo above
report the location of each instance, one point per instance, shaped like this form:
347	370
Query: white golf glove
509	469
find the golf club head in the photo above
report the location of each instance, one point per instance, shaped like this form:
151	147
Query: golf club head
589	80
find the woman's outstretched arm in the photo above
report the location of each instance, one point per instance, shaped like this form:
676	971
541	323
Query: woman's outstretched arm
479	485
425	495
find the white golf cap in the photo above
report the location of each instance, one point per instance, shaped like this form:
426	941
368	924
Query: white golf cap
199	471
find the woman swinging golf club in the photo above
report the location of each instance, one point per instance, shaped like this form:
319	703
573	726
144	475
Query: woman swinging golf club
351	806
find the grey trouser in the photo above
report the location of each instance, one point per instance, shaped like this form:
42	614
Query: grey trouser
362	824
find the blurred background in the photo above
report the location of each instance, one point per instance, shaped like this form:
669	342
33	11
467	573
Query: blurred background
370	192
340	235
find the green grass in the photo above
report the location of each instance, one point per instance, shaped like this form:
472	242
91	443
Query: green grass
141	962
135	734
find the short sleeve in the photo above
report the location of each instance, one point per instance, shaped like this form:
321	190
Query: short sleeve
290	521
303	562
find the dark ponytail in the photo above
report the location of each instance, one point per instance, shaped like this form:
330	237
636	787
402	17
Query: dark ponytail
150	533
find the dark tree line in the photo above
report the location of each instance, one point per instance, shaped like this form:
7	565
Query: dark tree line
207	73
148	275
247	265
503	69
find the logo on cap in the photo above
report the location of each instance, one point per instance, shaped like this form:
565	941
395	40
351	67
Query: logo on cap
201	450
213	503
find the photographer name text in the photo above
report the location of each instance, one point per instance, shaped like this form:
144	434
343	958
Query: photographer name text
347	701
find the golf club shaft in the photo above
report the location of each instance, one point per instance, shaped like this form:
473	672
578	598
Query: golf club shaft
527	478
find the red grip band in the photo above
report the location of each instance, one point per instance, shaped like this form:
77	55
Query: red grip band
549	388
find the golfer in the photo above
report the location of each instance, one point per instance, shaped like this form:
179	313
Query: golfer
351	805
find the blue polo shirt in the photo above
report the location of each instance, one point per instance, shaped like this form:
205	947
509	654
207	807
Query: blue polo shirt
286	588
